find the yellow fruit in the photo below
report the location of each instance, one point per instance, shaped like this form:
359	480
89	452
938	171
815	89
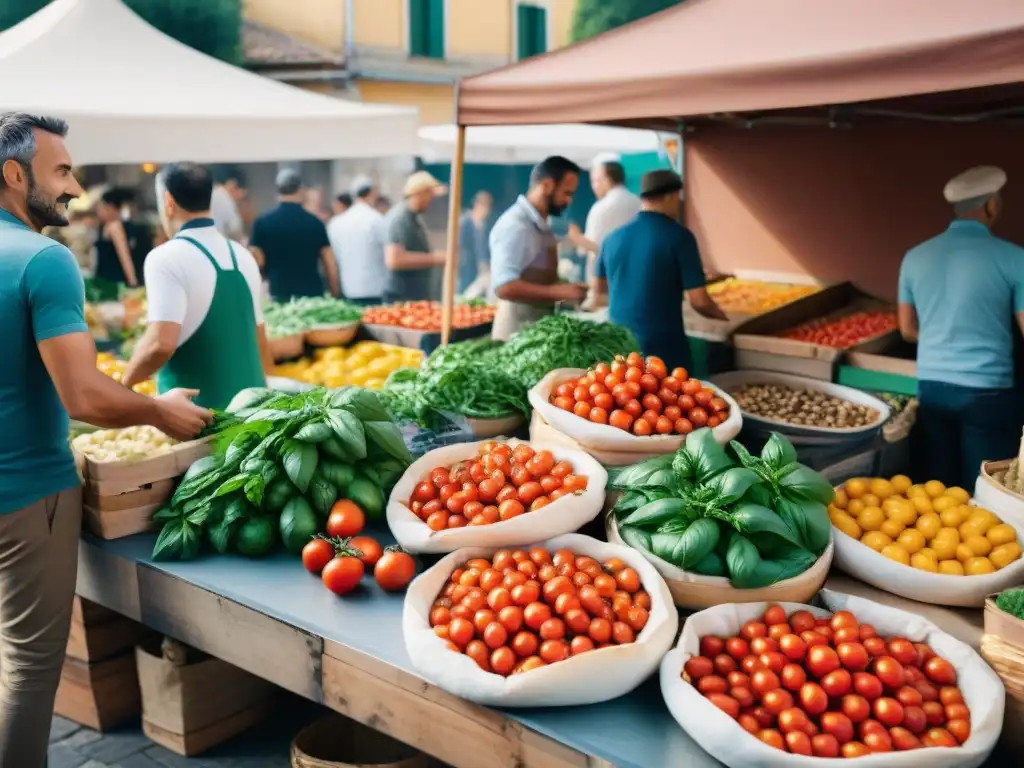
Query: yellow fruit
959	494
876	540
945	502
902	510
915	490
855	487
963	553
934	488
855	507
374	384
841	499
1001	534
928	552
953	518
871	519
983	520
912	540
951	568
892	528
979	545
944	548
900	483
335	382
881	488
846	524
1004	554
929	525
924	562
977	566
897	552
922	503
970	528
870	500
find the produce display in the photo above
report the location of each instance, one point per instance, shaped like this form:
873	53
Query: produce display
366	364
928	526
641	396
756	520
128	444
830	687
279	464
524	609
846	331
115	368
753	297
301	314
801	406
426	315
502	483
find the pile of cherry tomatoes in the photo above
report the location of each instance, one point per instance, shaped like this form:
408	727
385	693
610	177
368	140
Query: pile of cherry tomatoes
426	315
342	556
501	483
523	609
845	331
830	687
641	396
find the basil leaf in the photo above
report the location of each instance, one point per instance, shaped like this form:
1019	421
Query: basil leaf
636	538
321	494
759	494
166	515
657	512
332	448
808	520
731	484
197	517
778	452
190	542
361	403
168	543
249	398
741	560
744	456
315	432
638	474
299	460
386	435
220	537
752	518
254	489
695	543
231	485
805	484
712	565
235	510
707	456
350	432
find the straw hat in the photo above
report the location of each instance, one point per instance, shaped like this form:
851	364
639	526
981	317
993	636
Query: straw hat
422	181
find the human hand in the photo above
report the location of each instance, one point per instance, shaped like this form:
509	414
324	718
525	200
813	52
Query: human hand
571	292
178	416
575	233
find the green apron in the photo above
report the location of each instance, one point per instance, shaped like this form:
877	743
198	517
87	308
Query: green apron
222	357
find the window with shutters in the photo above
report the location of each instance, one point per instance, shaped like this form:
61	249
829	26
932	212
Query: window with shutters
426	28
531	30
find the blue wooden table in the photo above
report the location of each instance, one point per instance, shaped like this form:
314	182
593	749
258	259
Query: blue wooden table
275	620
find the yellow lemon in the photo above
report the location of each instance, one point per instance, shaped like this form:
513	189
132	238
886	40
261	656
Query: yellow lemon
978	565
1004	554
922	504
871	519
929	525
963	553
959	494
855	507
952	518
944	502
841	499
1001	534
870	500
897	553
979	545
915	490
924	562
934	488
900	483
373	384
856	487
951	568
881	488
876	540
846	524
380	365
983	520
892	528
359	376
912	540
335	382
334	354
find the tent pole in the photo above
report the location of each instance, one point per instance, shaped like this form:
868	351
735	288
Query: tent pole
451	264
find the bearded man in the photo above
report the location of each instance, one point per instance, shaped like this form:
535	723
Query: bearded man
524	252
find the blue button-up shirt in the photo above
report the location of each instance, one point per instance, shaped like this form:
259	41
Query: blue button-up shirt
520	240
965	284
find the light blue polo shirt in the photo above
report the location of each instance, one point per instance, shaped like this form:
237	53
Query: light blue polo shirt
41	297
520	240
965	284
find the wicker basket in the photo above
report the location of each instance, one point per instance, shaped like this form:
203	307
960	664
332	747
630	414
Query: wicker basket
287	347
486	428
331	335
338	742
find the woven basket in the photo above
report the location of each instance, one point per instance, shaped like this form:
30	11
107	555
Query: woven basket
486	428
338	742
331	335
287	347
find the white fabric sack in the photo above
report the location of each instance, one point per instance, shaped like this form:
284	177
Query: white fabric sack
726	740
589	678
563	515
990	495
603	437
863	562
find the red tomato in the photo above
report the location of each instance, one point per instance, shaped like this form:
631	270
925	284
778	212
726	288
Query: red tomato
793	646
737	647
903	651
346	519
792	719
909	696
934	712
888	711
316	554
837	683
777	700
813	698
890	672
903	739
854	748
837	724
825	745
878	741
369	550
813	638
424	492
761	645
727	704
940	671
914	719
772	660
764	680
821	660
394	570
711	646
853	656
856	708
799	743
712	684
960	728
801	621
793	677
950	695
772	738
867	685
939	737
342	574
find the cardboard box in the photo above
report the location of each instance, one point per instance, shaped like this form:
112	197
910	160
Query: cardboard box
899	358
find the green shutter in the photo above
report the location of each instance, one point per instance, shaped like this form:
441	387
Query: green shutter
426	28
532	30
436	29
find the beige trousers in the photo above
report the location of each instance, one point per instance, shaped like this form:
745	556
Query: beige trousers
38	566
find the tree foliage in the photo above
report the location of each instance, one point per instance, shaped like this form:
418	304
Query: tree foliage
211	26
592	17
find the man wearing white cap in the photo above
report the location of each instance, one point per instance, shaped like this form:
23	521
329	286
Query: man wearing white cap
615	207
358	237
959	296
408	257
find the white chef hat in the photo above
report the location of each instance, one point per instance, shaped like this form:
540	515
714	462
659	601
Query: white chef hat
980	181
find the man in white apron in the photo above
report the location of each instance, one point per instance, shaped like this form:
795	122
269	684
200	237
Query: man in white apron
524	252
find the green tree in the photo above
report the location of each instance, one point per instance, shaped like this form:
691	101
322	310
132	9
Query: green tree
592	17
211	26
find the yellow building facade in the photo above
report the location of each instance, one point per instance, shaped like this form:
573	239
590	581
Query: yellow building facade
410	52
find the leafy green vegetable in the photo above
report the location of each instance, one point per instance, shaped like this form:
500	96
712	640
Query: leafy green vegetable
256	537
322	494
1011	601
688	547
660	511
778	452
298	525
302	314
804	483
299	461
367	495
808	520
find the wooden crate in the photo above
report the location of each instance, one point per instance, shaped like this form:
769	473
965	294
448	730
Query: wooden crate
102	695
98	634
191	707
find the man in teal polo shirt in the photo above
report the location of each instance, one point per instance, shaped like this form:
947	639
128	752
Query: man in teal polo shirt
959	295
49	371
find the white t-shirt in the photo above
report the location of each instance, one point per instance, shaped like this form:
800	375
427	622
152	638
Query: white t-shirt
180	280
224	211
358	237
614	210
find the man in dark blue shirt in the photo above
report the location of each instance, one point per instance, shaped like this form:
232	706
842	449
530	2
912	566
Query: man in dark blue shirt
645	267
291	245
474	252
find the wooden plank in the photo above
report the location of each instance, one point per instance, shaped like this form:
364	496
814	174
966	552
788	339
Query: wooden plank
451	729
118	523
101	696
196	742
108	580
257	643
104	640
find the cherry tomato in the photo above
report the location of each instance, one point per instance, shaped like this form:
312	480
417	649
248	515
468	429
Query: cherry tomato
346	519
878	741
342	574
772	738
793	646
316	554
821	660
960	728
837	724
903	739
503	661
940	671
712	684
825	745
909	696
914	719
369	549
727	704
737	647
764	680
799	743
793	677
903	651
837	683
424	492
888	711
761	645
394	570
792	719
813	698
890	672
777	700
950	695
801	621
867	685
939	737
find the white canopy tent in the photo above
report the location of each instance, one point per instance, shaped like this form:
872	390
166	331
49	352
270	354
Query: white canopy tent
532	143
131	94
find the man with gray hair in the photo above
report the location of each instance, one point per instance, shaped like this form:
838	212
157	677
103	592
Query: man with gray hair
49	373
358	238
291	245
960	295
615	207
